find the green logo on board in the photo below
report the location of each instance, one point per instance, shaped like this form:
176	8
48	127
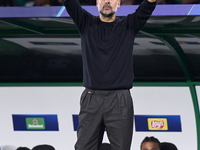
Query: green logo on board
35	123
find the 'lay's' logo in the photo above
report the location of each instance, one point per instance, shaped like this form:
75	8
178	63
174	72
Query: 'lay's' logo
157	124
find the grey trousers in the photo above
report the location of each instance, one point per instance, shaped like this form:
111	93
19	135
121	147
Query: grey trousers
102	109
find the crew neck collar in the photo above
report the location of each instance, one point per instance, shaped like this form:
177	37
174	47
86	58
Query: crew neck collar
107	22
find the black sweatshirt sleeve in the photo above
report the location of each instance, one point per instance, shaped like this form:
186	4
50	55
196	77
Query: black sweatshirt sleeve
138	19
77	13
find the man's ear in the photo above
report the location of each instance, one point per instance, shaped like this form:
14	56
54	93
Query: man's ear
97	3
119	3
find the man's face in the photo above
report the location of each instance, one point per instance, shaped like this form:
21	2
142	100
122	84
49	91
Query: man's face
150	146
108	7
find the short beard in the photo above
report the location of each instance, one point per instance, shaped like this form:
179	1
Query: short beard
109	15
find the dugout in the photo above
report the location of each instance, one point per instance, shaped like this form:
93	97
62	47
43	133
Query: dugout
41	72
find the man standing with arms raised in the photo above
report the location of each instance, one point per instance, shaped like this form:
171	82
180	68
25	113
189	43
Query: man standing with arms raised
107	46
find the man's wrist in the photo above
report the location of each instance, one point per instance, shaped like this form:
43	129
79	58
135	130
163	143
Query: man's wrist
152	1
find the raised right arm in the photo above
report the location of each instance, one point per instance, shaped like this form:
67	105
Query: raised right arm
76	12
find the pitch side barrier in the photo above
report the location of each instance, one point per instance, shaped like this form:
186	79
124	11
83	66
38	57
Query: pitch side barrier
59	11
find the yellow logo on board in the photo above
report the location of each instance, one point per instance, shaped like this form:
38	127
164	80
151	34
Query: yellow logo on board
157	124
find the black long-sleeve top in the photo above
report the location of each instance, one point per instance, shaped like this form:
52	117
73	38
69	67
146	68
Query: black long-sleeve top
107	47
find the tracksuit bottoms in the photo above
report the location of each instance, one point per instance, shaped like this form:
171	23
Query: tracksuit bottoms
105	110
